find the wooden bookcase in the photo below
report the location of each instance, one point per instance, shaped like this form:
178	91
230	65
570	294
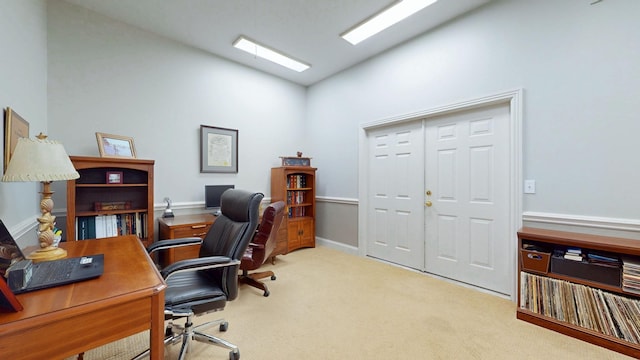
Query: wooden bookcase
130	202
580	299
296	186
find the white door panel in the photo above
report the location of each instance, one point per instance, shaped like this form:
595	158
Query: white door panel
396	216
467	171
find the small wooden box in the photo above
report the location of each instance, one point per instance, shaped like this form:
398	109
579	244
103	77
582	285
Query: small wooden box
295	161
117	205
535	261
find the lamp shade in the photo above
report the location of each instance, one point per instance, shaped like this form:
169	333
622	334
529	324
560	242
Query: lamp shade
39	160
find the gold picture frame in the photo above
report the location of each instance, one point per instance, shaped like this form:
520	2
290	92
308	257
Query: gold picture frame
115	146
15	127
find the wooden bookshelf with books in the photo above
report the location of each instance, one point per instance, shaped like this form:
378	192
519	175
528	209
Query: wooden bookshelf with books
112	197
295	185
582	285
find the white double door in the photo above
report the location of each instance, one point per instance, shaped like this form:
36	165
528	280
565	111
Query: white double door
438	196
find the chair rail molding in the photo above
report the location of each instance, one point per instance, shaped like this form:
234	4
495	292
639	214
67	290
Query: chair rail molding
618	224
337	200
24	227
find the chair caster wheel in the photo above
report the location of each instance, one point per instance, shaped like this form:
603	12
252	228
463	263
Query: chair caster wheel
266	293
273	277
224	326
234	355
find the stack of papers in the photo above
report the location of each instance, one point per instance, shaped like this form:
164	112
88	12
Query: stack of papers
603	259
574	254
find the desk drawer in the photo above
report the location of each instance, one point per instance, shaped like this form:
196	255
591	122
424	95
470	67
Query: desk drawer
194	230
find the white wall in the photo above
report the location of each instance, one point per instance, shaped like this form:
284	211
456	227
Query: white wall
105	76
23	87
578	66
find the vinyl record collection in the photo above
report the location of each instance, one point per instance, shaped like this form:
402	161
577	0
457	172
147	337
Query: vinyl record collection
601	311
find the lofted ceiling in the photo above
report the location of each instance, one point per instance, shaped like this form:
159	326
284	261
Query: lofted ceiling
308	30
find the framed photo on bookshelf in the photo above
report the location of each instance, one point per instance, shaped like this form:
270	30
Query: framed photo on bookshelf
295	161
115	146
218	150
15	127
8	301
114	177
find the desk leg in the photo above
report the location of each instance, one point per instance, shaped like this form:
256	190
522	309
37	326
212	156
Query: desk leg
157	326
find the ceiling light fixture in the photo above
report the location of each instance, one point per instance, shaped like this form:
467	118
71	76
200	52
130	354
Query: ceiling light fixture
264	52
384	19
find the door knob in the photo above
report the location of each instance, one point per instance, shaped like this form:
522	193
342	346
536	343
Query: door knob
428	203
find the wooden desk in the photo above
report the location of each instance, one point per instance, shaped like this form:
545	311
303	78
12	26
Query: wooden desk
66	320
183	226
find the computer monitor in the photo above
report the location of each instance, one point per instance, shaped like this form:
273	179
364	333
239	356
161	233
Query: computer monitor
213	194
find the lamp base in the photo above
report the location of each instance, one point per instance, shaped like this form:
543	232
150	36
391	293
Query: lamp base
47	254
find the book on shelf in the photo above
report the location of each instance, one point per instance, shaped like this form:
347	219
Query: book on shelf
562	253
100	226
602	259
81	228
573	253
91	229
573	257
631	275
574	250
295	181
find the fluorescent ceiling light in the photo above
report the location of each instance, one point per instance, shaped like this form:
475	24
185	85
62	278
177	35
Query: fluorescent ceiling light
258	50
397	12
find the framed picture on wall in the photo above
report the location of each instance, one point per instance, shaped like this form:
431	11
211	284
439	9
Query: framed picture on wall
218	150
115	146
15	127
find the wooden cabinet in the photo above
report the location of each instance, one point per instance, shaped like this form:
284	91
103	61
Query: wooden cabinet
112	197
590	298
296	186
183	226
300	233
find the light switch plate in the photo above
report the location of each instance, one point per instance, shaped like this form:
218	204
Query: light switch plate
529	186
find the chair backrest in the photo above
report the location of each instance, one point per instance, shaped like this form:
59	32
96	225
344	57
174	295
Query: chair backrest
268	230
231	233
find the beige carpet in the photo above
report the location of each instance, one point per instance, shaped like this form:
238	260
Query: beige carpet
329	305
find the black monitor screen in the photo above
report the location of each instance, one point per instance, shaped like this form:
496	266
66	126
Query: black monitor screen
212	195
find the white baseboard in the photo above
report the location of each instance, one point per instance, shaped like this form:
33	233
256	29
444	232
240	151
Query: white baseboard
352	250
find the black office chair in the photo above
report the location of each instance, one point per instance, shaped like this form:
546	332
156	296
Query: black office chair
205	284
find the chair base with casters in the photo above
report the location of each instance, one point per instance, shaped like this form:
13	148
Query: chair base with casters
253	280
187	333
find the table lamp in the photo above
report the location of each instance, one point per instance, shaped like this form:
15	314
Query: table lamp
45	161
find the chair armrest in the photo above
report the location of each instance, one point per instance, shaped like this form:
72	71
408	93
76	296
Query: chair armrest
196	264
173	243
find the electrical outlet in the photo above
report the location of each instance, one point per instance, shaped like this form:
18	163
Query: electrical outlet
529	186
